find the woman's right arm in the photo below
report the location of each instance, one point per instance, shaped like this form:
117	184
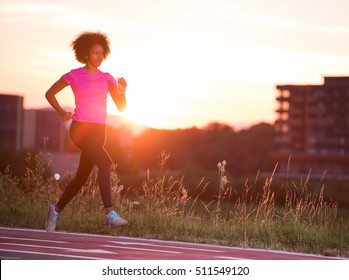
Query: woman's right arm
51	98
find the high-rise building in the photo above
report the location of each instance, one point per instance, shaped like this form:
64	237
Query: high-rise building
30	129
312	128
11	108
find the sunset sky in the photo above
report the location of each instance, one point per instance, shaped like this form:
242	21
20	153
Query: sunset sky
187	62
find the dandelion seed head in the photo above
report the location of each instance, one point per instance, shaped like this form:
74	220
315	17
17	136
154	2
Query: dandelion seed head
120	188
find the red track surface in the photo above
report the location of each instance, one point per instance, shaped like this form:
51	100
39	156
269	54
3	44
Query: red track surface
38	244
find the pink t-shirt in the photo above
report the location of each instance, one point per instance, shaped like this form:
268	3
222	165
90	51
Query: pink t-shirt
90	91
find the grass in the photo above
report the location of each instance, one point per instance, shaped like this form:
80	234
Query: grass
162	207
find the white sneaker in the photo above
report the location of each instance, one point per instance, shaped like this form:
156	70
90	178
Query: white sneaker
52	218
112	219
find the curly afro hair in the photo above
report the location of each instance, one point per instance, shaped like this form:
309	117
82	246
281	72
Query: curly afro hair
84	42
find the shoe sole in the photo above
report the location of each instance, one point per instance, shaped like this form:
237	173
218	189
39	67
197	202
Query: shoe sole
121	223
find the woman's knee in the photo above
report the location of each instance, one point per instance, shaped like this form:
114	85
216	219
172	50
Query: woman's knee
105	162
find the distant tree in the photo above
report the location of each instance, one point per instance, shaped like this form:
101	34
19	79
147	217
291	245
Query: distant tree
246	151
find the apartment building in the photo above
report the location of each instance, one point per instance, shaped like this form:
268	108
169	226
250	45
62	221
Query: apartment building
29	129
11	108
312	129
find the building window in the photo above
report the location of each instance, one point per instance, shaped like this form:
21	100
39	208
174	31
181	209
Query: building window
284	106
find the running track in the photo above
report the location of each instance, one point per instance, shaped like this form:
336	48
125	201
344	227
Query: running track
18	243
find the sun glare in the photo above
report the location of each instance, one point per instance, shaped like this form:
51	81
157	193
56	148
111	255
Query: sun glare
143	111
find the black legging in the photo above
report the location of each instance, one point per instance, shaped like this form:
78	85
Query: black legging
89	138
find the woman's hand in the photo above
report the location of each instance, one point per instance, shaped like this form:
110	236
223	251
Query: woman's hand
66	116
121	85
117	92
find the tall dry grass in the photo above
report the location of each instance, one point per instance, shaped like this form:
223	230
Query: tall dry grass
164	207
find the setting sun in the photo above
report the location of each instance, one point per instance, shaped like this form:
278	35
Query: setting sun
149	110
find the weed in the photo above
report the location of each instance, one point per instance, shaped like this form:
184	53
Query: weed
164	207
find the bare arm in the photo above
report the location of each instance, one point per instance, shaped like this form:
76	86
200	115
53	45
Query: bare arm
117	93
51	98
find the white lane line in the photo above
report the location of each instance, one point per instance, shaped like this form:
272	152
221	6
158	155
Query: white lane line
30	239
98	251
231	258
140	249
50	254
166	246
181	248
58	248
272	252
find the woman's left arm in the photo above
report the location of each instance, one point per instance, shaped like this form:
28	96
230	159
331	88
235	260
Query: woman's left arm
117	93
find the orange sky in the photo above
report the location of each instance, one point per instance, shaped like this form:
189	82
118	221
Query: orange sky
187	63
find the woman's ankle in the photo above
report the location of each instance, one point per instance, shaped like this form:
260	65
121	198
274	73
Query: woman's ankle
57	209
108	210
